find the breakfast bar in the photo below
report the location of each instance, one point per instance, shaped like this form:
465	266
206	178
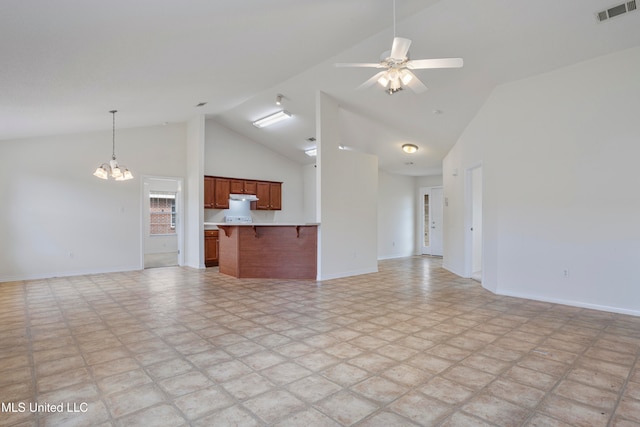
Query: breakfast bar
268	250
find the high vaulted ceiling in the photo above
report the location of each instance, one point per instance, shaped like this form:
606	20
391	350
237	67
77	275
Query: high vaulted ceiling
66	63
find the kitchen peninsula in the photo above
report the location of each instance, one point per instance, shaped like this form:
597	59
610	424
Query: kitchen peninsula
268	250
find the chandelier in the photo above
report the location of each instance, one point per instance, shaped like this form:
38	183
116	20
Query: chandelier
112	169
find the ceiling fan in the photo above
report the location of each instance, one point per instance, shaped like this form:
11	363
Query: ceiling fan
397	66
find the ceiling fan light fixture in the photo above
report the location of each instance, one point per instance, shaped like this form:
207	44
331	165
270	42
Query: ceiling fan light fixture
272	119
406	77
409	148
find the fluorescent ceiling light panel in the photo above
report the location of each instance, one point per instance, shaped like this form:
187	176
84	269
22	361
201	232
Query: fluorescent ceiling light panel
272	118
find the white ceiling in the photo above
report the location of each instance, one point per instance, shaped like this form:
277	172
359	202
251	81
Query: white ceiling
66	63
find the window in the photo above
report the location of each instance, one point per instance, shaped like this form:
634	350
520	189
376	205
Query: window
162	213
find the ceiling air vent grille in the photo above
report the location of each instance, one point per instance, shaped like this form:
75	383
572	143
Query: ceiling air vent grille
618	10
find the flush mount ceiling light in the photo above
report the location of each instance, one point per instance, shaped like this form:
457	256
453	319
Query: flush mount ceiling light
272	118
409	148
112	169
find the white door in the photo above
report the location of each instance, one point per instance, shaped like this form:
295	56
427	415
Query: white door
161	208
475	185
435	219
431	224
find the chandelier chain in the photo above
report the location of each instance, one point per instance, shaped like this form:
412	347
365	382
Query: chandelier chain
113	140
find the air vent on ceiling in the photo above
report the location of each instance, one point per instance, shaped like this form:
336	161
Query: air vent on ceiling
618	10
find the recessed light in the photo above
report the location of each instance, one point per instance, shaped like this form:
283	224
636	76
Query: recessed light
311	152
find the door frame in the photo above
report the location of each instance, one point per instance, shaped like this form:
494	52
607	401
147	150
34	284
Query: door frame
468	219
144	202
423	192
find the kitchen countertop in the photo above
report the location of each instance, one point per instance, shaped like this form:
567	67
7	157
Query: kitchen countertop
259	224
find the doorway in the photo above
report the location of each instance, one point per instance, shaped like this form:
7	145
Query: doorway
474	215
431	202
161	222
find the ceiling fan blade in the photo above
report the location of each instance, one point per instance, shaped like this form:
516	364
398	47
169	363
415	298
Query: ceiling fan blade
420	64
399	48
360	64
373	80
414	83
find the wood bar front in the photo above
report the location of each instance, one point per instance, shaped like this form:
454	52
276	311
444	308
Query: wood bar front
268	251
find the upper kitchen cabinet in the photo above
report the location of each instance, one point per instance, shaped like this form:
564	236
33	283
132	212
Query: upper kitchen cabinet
241	186
269	195
217	190
222	190
209	192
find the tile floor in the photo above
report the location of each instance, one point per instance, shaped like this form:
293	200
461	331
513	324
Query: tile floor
410	345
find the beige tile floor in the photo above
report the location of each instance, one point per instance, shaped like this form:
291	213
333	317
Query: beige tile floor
410	345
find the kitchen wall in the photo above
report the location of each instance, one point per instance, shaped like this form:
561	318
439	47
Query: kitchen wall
59	220
559	154
230	154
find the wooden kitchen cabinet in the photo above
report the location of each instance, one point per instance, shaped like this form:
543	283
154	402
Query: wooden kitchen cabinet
269	195
275	190
222	191
209	192
241	186
250	187
211	248
217	190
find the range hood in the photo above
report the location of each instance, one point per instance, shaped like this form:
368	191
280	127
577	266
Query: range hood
249	197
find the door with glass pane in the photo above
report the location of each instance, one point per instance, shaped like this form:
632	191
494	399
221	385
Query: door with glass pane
161	231
431	200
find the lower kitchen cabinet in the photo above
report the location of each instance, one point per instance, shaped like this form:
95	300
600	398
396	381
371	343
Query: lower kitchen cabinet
211	248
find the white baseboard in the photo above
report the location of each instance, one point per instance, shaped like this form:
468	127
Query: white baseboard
346	274
571	303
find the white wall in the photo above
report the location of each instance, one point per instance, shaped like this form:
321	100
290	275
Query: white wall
230	154
58	219
348	195
428	181
560	158
194	200
310	176
397	220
